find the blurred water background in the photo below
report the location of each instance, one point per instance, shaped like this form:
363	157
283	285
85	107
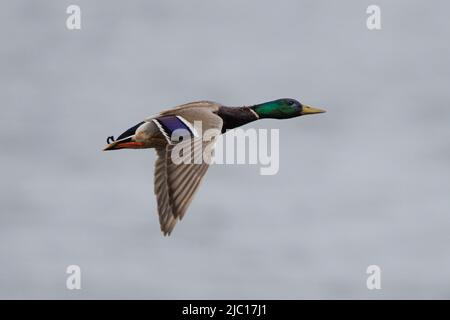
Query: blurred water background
366	183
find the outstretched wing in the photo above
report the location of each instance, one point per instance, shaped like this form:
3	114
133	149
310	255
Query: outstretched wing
176	183
175	186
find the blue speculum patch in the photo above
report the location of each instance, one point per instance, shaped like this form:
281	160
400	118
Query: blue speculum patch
169	124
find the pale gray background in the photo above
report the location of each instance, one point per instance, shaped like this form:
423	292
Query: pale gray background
366	183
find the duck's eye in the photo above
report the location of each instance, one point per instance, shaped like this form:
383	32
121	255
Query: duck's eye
290	103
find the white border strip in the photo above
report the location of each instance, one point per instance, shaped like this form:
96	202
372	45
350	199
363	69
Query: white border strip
189	125
162	130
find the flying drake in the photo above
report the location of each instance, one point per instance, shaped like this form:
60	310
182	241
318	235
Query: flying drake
176	184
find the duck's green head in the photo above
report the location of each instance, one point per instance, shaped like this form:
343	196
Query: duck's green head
283	109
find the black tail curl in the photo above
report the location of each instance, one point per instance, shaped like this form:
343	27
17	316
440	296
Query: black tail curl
110	139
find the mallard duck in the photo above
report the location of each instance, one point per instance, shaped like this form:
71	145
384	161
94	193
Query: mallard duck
175	184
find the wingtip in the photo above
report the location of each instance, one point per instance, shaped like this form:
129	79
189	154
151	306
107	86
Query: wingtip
166	232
